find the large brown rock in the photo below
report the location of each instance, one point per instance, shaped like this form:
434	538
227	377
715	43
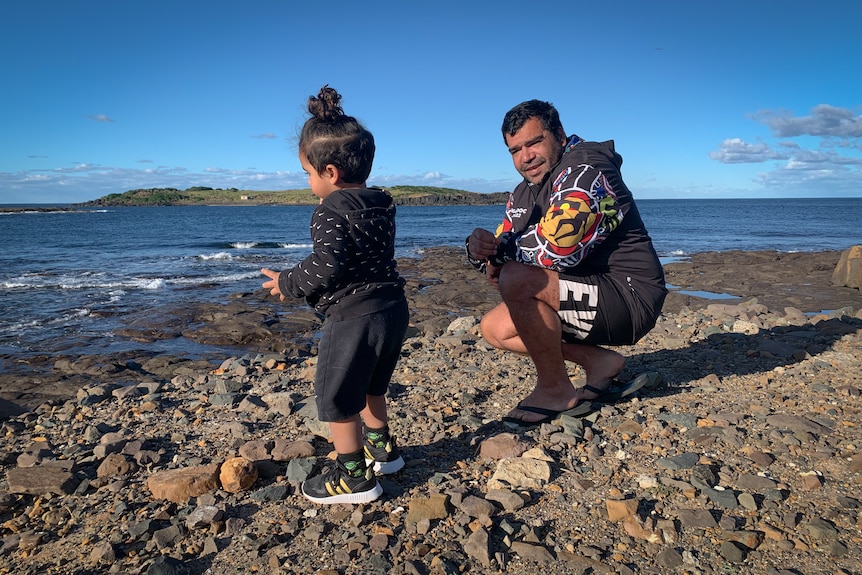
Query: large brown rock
179	485
51	477
237	474
848	272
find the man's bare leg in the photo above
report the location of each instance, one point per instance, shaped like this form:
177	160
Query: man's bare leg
527	323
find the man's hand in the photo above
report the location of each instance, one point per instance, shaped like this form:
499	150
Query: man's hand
272	284
482	244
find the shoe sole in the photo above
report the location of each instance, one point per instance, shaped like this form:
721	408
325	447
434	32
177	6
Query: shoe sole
359	497
386	467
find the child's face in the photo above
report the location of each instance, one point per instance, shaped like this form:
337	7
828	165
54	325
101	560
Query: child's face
321	184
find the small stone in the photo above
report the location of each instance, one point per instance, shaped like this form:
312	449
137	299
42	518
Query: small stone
668	558
619	509
732	552
434	506
478	546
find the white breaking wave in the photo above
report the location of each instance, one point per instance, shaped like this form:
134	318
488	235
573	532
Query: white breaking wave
224	278
243	245
216	256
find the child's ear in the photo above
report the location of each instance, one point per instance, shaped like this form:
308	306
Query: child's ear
331	173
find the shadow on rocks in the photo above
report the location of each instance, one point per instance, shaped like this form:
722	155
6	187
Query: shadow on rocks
727	354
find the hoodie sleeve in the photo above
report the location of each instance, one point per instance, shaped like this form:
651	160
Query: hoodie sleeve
322	268
583	209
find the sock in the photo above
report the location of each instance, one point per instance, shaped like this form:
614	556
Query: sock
377	437
354	463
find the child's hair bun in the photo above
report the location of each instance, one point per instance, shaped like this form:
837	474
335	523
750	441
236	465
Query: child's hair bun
326	106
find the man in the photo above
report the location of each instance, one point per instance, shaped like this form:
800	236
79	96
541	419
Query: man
574	264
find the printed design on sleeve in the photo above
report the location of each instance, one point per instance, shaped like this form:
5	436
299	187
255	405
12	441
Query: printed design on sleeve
583	210
506	225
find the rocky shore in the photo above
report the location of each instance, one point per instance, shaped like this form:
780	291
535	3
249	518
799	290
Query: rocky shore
741	455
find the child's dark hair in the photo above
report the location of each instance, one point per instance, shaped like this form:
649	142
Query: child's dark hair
542	111
331	137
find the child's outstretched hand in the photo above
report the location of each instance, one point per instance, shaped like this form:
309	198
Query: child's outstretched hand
272	284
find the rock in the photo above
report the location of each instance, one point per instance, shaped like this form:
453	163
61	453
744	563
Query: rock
237	474
258	450
204	516
501	446
531	552
103	552
435	506
696	518
820	528
848	271
619	509
684	461
510	500
520	472
178	485
42	479
477	507
669	558
285	451
478	546
115	465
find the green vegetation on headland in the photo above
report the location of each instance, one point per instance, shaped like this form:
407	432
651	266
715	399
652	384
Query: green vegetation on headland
204	196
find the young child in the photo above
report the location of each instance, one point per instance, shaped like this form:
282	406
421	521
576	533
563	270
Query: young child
351	278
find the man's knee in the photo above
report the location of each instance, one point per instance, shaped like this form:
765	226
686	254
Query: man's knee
496	326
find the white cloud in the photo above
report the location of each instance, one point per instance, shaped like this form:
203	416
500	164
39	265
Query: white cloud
823	160
265	136
736	151
825	121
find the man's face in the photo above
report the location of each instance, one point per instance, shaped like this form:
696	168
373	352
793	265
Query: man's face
535	150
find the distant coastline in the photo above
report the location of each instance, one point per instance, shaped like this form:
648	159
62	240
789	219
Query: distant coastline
204	196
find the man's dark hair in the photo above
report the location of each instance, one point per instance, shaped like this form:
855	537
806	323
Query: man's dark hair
543	111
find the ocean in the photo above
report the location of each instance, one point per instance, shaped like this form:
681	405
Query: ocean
69	278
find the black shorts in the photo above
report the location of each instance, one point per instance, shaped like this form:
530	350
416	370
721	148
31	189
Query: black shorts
356	357
602	310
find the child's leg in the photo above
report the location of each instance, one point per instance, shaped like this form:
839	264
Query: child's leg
381	452
346	435
374	415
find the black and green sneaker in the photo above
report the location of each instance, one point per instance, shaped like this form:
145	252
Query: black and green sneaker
343	483
381	452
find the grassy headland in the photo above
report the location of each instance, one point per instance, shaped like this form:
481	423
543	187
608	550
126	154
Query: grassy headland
204	196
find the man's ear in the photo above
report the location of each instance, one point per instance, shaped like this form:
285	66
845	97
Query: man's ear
561	134
331	173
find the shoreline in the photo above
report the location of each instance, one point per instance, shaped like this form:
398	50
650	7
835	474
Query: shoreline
440	286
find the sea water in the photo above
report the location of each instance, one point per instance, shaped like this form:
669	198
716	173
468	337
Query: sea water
68	279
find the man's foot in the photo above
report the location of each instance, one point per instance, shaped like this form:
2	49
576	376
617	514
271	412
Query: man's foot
381	452
581	409
613	391
342	485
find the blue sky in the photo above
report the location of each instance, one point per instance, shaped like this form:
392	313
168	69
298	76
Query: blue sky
703	99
